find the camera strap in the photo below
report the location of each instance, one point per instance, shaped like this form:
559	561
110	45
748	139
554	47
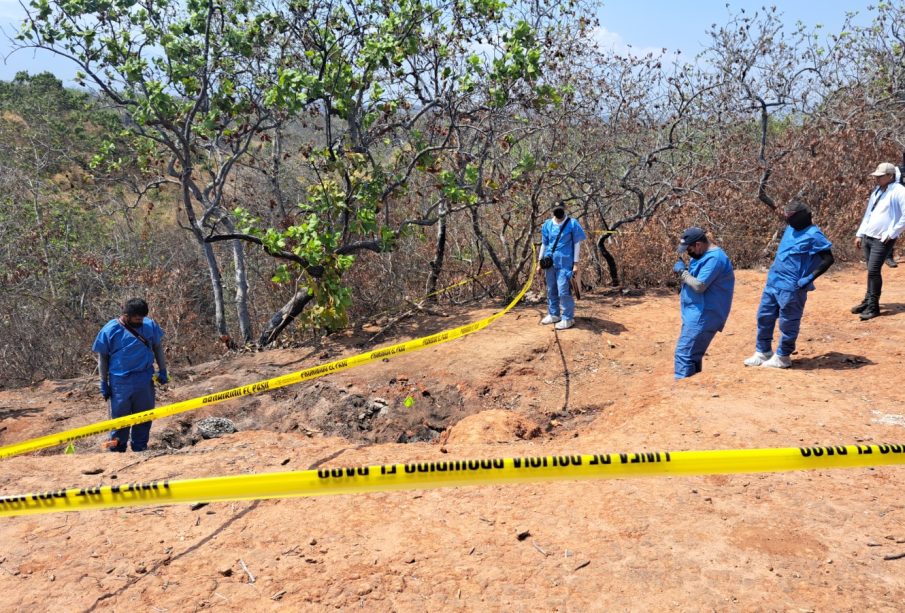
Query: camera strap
134	333
558	236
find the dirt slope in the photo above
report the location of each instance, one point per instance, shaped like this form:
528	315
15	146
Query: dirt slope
790	541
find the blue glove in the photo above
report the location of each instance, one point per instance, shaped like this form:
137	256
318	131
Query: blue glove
162	377
805	281
105	390
679	267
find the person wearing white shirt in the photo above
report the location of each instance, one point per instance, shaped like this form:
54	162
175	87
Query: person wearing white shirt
884	220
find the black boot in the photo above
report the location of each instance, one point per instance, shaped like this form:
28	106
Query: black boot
860	306
871	310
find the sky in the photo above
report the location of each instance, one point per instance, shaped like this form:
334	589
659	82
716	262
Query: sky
642	24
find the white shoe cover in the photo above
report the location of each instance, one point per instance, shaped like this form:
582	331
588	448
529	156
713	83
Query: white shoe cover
758	358
778	361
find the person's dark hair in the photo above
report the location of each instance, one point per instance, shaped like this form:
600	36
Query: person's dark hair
135	306
798	215
559	212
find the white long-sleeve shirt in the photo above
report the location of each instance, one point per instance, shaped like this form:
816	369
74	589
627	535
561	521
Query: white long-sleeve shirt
884	217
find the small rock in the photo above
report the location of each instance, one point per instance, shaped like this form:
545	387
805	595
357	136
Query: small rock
214	427
312	542
93	471
522	534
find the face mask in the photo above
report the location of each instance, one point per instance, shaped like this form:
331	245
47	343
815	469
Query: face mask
799	220
559	214
695	255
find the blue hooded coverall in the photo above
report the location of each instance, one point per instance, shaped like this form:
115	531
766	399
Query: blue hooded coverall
559	293
705	313
131	372
782	298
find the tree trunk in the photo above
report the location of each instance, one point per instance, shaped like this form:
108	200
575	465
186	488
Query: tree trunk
213	267
610	260
437	263
284	317
241	300
241	291
276	165
484	244
216	286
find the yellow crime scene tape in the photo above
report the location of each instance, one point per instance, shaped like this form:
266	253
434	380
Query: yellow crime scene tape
61	438
454	285
440	291
451	473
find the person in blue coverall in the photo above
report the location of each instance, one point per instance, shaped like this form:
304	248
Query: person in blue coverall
708	283
126	349
804	254
564	254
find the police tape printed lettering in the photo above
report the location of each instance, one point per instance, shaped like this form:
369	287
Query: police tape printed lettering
818	452
337	473
642	458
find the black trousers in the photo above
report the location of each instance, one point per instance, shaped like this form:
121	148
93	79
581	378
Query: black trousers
875	253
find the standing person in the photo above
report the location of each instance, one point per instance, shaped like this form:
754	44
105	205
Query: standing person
891	258
126	348
804	254
884	220
706	297
561	238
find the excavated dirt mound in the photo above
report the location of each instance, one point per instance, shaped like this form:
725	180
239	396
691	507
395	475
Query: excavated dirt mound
820	540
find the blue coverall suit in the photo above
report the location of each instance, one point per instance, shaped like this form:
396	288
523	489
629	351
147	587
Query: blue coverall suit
560	302
131	376
705	313
782	298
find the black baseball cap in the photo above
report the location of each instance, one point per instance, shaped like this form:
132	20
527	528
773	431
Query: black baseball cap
690	237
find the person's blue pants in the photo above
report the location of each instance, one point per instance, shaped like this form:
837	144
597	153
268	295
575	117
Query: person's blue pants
131	394
786	306
559	295
694	339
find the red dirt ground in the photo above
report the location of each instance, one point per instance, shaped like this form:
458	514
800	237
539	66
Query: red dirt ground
787	541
